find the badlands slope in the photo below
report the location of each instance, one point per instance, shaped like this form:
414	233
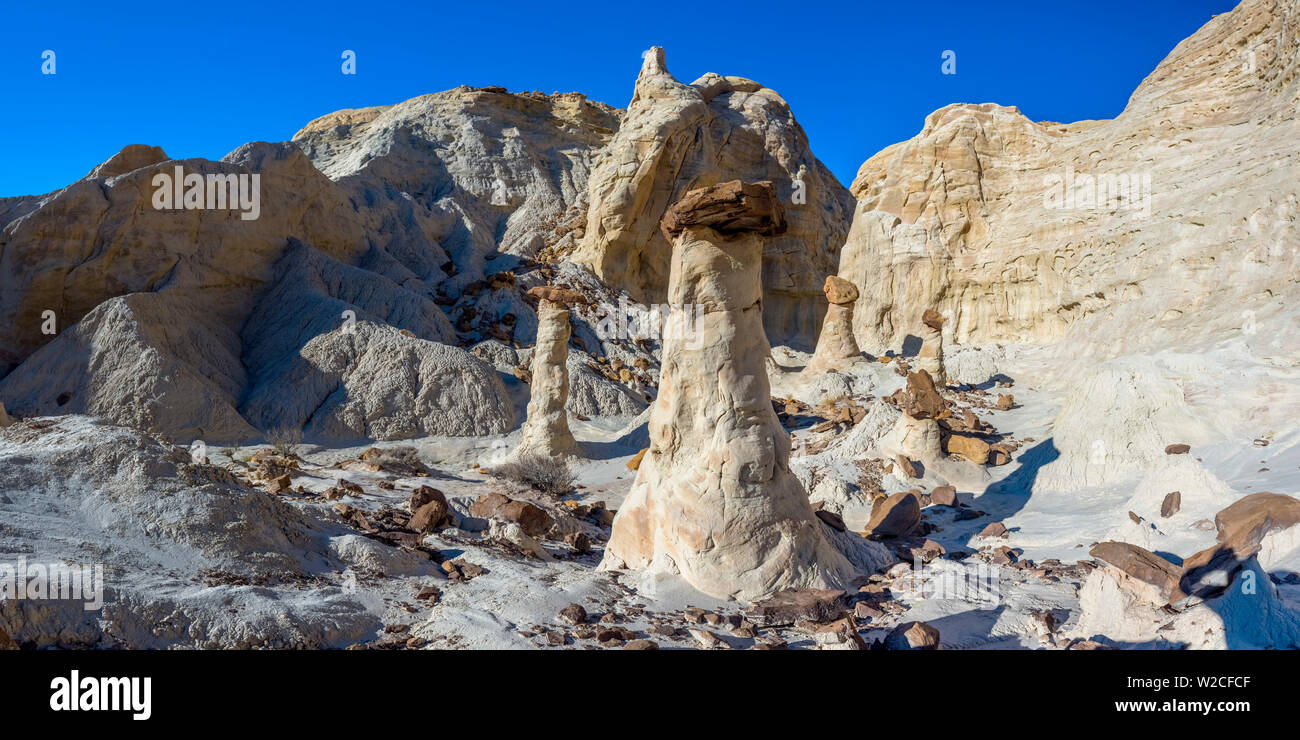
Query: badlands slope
299	431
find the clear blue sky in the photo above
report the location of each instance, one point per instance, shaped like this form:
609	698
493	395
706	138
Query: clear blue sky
199	79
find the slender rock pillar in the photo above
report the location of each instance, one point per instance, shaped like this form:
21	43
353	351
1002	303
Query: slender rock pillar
930	358
546	430
836	345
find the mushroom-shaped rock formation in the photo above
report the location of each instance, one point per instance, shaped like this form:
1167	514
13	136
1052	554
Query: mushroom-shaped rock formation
917	435
836	345
714	496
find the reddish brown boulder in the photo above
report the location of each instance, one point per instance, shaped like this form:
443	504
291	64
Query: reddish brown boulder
932	319
641	644
972	448
944	496
1243	524
574	614
1003	556
534	521
1178	449
1172	503
432	516
895	516
864	610
1242	527
919	399
486	506
424	495
913	636
996	529
839	291
1143	565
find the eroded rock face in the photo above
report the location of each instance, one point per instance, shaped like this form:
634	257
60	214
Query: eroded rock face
714	493
972	217
546	428
374	382
101	238
390	208
213	303
485	170
676	138
146	361
1245	523
1115	423
920	399
80	491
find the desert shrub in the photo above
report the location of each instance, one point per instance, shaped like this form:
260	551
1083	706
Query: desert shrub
404	459
284	440
552	477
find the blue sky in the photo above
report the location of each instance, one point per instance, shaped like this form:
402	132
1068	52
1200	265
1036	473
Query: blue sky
199	79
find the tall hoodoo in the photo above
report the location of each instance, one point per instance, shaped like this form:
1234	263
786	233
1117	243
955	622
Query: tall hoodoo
714	494
546	430
930	358
836	344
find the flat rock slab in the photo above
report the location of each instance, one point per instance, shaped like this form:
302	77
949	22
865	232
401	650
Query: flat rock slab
796	605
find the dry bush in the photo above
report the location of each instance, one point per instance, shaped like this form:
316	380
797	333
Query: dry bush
284	439
404	459
552	477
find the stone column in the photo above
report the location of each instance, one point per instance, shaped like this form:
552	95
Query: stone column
930	358
546	429
714	496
